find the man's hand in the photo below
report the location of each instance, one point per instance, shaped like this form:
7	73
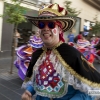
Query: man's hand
26	95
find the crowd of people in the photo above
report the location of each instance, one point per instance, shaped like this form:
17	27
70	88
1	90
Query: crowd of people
87	47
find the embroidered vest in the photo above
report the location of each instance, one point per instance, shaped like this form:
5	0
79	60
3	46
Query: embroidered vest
49	82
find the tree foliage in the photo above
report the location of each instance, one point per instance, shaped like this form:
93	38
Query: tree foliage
96	28
15	12
71	11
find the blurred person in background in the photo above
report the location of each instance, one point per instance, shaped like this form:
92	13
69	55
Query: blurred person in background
24	53
70	37
17	36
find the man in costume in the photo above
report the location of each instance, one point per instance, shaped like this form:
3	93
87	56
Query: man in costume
58	71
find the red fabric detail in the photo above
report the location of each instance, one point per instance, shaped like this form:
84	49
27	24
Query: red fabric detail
50	6
79	36
61	37
54	82
71	43
59	8
59	24
61	34
98	52
48	53
45	66
91	58
49	73
81	49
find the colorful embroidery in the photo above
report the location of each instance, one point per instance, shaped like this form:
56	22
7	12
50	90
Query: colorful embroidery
47	77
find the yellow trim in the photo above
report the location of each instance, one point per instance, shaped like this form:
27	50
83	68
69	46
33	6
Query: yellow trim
88	62
84	80
59	43
85	67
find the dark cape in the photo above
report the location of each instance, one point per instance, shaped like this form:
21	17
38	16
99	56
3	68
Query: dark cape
75	63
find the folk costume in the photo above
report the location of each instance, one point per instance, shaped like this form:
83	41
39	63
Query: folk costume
61	72
86	49
24	54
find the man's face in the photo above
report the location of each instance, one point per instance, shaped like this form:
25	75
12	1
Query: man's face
49	32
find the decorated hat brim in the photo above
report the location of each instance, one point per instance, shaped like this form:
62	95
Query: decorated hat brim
67	22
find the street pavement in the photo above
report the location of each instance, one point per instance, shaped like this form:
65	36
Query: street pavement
10	84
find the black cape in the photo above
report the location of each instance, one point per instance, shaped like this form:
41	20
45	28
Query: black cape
74	62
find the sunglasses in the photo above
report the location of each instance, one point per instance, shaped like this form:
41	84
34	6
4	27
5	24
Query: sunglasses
51	25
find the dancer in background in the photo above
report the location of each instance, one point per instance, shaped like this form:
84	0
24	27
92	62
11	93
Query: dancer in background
84	46
70	37
24	54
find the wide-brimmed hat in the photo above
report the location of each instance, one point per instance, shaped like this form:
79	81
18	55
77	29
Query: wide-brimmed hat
54	12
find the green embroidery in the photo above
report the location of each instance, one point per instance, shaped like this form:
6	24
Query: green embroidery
53	93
